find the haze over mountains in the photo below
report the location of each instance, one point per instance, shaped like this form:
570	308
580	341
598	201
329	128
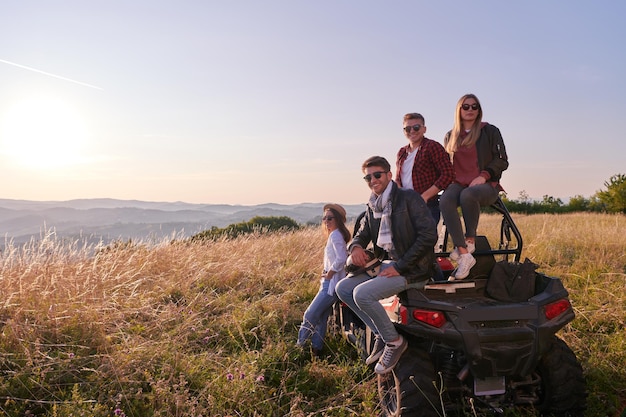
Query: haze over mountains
105	220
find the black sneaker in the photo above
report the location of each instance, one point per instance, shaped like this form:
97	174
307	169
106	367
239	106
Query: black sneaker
391	356
377	351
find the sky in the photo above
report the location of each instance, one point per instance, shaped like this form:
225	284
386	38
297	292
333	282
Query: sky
280	101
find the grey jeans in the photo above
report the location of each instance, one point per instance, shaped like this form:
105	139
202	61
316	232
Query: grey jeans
362	294
470	199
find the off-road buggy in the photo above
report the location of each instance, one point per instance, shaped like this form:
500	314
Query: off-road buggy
471	354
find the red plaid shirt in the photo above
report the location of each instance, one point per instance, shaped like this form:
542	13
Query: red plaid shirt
432	166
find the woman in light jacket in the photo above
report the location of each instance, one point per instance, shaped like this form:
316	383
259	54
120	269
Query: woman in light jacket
335	255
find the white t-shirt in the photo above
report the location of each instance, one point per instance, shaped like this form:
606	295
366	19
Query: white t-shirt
407	170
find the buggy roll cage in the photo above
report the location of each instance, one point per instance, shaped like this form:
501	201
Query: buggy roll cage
508	230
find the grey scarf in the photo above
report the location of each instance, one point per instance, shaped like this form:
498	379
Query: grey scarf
381	207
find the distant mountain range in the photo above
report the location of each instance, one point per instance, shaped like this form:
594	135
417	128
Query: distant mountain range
105	220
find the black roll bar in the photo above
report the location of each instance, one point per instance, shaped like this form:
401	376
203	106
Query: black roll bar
508	230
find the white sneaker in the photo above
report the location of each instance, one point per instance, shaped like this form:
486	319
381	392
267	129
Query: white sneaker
454	255
466	262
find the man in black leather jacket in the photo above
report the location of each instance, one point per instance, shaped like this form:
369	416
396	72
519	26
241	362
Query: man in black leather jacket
402	231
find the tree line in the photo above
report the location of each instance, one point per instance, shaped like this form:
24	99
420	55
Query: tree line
612	199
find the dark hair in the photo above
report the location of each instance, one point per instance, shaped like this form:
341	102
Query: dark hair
341	225
376	161
411	116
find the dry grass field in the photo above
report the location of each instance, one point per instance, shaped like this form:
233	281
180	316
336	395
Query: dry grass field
208	329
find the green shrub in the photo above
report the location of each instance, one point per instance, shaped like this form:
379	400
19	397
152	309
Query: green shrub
258	224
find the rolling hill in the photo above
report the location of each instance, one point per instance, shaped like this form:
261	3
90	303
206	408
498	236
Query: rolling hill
105	220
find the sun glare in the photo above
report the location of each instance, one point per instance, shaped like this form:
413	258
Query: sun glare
43	133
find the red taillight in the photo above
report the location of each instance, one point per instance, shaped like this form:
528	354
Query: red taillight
404	315
433	318
445	264
555	309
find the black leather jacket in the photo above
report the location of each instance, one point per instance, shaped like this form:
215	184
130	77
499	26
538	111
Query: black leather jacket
414	235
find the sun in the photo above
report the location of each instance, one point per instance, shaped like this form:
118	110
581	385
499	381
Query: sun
43	133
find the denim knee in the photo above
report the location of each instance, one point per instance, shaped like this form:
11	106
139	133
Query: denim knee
342	292
363	297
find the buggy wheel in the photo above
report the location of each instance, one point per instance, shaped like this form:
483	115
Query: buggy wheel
409	390
564	391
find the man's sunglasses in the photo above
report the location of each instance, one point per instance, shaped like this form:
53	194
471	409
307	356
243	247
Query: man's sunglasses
416	128
474	106
376	175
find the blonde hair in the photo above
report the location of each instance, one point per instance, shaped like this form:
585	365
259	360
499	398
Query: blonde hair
453	141
412	116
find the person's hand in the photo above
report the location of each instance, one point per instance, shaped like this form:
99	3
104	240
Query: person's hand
389	271
329	275
478	180
359	257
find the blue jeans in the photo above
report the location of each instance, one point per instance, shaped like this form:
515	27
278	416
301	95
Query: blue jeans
363	293
433	207
315	318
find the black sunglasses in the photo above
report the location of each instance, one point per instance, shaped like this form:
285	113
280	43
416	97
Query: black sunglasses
416	128
328	218
376	175
474	106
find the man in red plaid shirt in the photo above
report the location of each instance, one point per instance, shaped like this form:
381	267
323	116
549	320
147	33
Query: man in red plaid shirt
423	165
